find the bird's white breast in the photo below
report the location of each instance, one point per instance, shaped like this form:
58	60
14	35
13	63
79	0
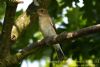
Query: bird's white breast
46	27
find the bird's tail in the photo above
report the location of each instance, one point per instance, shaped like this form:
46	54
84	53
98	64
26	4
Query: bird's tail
60	53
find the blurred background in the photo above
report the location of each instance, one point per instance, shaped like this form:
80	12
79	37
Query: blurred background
68	15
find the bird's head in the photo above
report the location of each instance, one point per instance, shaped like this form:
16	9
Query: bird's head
42	12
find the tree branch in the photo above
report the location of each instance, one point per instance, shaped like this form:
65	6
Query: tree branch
5	43
61	37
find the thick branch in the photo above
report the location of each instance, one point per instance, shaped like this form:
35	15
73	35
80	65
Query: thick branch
7	26
5	43
8	22
64	35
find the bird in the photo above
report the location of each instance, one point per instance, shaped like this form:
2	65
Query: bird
48	30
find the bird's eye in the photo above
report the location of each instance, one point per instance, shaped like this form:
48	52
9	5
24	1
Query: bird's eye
42	11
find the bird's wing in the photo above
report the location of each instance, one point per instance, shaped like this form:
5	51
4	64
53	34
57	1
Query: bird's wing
53	25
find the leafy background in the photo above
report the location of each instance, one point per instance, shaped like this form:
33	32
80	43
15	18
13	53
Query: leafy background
67	16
